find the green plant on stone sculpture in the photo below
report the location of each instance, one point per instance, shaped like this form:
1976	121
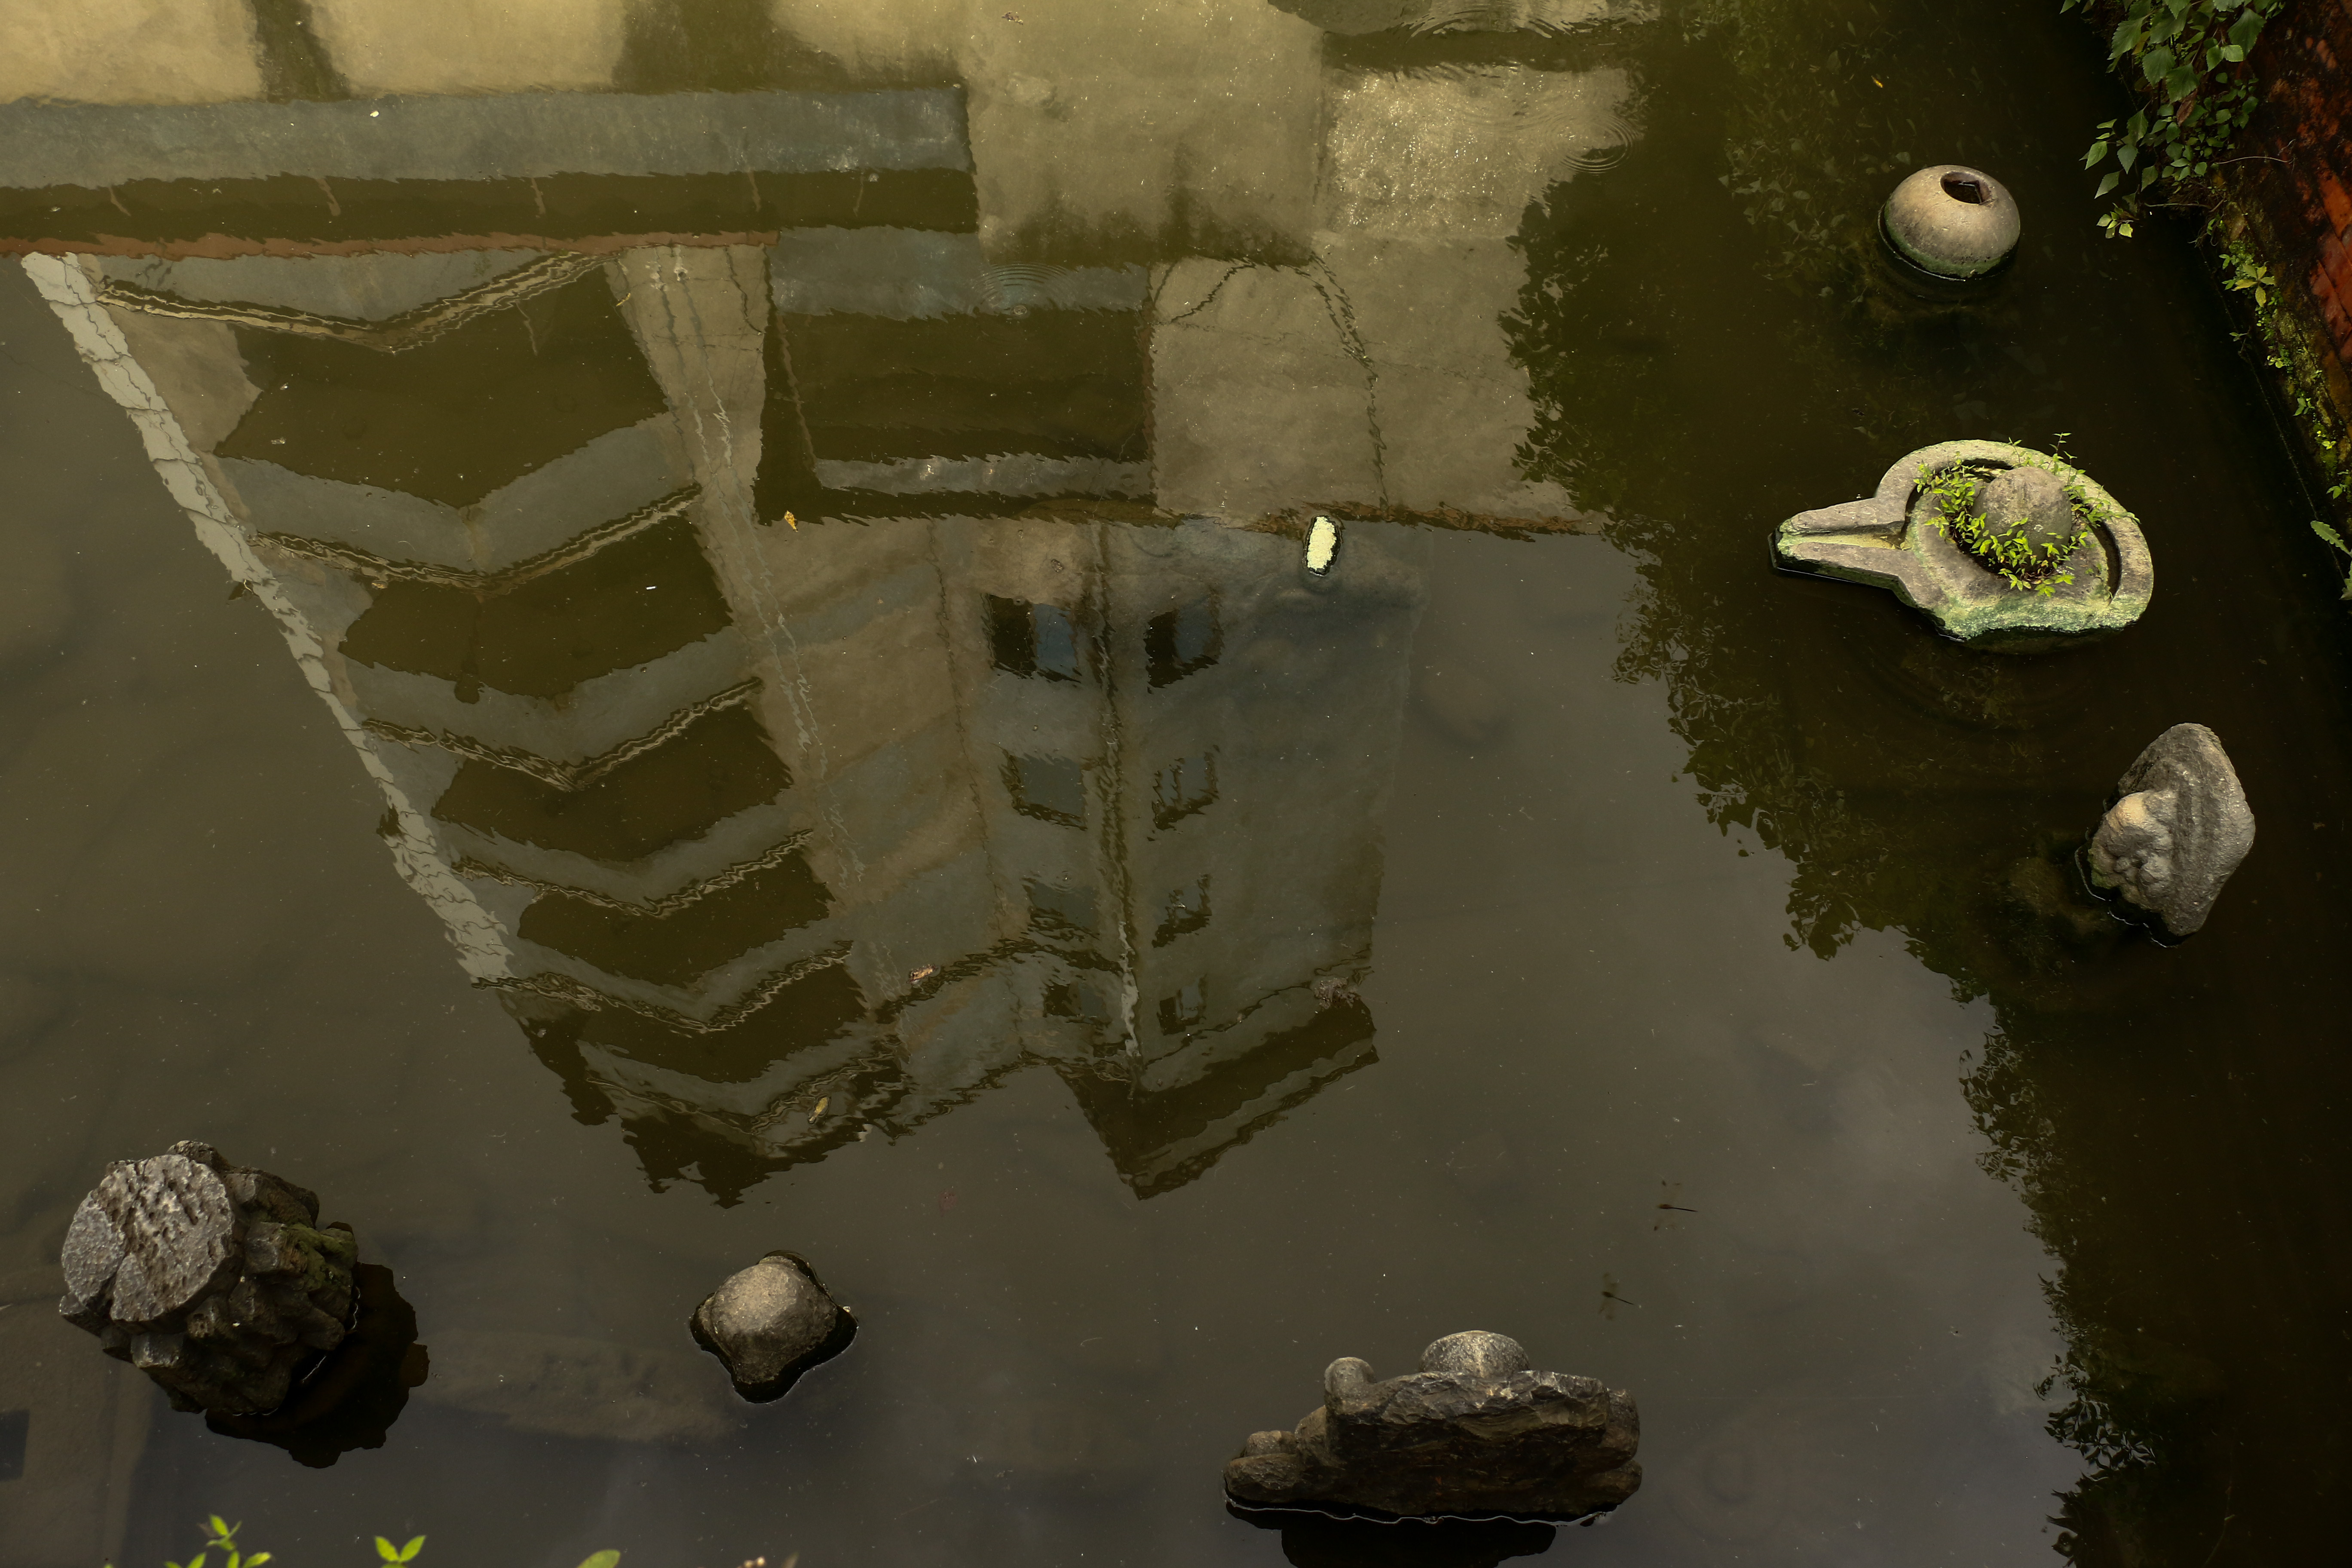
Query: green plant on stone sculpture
1955	488
2191	60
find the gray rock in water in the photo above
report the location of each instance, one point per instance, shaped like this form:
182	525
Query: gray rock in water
2182	826
770	1323
1474	1432
214	1279
2033	499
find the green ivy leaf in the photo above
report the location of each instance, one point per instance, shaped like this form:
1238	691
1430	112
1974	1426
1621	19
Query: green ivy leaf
2098	151
2127	36
2105	186
2127	154
2246	29
2232	53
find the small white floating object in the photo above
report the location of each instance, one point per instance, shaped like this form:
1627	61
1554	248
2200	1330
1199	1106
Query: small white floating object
1322	544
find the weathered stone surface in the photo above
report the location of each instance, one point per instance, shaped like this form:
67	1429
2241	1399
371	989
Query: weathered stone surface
2182	826
2031	498
1892	540
1952	221
1474	1432
770	1323
214	1279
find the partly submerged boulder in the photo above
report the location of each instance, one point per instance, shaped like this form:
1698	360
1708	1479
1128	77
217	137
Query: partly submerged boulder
214	1279
1473	1433
2180	826
770	1323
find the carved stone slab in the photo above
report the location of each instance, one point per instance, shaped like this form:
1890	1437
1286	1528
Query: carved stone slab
1889	540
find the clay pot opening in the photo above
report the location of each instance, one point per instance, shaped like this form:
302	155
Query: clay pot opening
1967	188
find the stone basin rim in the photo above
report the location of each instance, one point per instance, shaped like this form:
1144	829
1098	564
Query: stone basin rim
1877	542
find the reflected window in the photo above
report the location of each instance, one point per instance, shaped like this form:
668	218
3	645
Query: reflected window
1033	640
1052	789
1178	642
1183	787
1077	1000
1068	911
1186	909
1182	1012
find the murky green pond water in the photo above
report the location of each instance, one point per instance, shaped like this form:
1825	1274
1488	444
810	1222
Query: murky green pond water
1135	971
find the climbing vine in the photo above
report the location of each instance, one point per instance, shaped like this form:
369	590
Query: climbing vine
2190	56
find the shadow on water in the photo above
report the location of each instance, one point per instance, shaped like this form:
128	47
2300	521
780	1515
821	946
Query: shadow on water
1319	1540
352	1398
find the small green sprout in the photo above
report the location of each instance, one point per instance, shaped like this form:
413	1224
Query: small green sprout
390	1553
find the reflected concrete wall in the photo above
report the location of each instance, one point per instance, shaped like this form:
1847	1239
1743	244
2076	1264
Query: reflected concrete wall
814	671
72	1426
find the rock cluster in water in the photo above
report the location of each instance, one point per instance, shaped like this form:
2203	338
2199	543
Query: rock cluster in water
1474	1432
2179	829
770	1323
214	1279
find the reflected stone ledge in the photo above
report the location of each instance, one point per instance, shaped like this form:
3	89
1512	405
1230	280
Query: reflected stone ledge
1891	541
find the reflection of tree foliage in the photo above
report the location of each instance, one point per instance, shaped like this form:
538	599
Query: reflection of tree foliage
1813	140
2141	1408
1714	343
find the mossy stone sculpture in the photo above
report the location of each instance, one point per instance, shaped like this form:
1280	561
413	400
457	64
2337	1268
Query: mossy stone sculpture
2004	548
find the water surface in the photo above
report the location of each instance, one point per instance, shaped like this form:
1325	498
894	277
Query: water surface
829	743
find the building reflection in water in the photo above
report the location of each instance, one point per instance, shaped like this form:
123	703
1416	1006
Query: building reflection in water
813	671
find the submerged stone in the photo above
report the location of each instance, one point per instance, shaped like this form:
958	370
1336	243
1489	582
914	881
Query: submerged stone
1474	1432
2180	828
1899	539
1952	221
770	1323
